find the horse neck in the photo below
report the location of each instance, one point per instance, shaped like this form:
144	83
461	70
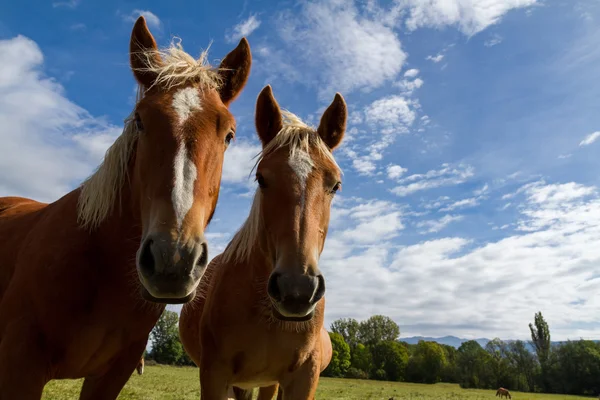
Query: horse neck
120	233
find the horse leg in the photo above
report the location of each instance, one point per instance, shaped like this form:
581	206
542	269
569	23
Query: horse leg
267	392
109	385
242	394
24	365
303	383
213	380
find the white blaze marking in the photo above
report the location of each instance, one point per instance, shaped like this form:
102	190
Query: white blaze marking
302	165
185	102
183	190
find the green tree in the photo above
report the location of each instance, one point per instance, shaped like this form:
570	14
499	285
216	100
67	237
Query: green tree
377	329
166	346
574	368
390	359
474	366
540	337
502	369
524	364
362	359
427	363
449	372
340	359
348	328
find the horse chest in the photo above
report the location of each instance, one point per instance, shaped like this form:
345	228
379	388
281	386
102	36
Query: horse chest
105	323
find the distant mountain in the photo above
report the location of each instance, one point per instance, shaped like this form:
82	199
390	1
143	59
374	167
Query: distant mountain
447	340
456	341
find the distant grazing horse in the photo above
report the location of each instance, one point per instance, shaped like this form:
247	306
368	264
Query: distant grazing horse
503	393
84	279
140	366
257	319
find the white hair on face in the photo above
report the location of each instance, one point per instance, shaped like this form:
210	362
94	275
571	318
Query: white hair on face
185	102
302	164
182	195
173	68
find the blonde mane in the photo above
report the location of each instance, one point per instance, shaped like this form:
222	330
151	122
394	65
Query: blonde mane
100	191
296	135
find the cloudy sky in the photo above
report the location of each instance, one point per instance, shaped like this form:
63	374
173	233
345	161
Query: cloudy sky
471	193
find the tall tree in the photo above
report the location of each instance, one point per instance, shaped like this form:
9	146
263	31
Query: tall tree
166	346
376	329
362	359
540	336
389	360
348	328
340	359
524	364
427	363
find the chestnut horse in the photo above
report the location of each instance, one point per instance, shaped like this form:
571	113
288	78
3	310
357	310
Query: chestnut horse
257	318
503	393
140	366
84	279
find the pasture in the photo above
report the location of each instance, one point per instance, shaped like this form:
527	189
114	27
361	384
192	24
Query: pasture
172	383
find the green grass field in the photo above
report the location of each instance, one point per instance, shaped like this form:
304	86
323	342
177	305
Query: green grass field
171	383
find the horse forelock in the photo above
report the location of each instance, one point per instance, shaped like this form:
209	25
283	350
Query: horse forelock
173	67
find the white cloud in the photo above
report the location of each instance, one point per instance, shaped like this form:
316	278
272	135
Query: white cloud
395	171
493	40
240	158
464	203
411	73
452	285
373	221
589	139
49	143
78	27
436	59
469	16
434	226
151	19
408	87
364	166
244	29
68	4
482	191
339	49
445	176
394	114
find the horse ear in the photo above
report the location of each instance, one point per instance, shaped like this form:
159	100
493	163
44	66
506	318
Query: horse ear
234	70
268	116
333	122
141	44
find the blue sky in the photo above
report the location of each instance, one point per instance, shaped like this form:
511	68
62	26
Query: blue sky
470	196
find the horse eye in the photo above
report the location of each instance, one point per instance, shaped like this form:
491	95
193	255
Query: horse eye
229	137
138	122
261	181
337	187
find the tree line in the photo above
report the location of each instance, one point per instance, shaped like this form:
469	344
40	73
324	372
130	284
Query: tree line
371	349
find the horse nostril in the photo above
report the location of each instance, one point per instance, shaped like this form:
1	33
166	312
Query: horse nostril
203	259
320	292
273	287
147	263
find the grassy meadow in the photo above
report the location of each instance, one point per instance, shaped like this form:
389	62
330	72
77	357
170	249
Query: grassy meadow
172	383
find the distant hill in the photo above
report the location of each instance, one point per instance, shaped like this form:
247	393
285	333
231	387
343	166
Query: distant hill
447	340
456	341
